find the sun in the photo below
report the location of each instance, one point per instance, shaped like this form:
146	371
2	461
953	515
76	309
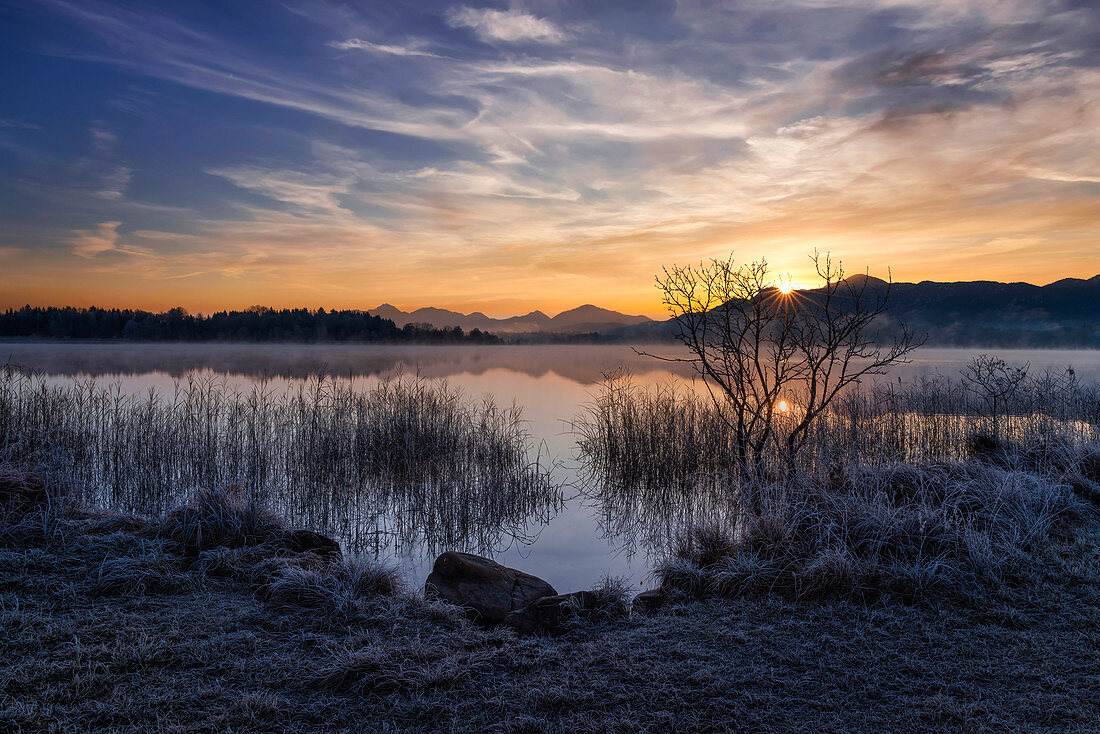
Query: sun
786	288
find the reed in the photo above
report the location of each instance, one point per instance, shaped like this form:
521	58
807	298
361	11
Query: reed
635	439
402	461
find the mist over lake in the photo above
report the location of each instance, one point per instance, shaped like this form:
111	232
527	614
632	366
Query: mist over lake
571	544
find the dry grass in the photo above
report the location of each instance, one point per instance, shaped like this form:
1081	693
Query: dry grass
213	518
639	441
342	593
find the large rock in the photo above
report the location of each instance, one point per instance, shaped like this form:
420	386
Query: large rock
550	613
487	590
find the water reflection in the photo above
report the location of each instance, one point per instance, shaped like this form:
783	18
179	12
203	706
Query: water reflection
646	517
584	364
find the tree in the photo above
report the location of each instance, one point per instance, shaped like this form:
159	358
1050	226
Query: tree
774	360
993	382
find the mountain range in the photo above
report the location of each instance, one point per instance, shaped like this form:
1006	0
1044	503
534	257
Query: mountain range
971	313
982	312
583	319
1064	303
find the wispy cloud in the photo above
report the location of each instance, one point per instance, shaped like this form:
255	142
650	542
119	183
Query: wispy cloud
510	26
359	44
89	243
115	183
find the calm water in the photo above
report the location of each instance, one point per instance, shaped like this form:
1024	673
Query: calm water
578	544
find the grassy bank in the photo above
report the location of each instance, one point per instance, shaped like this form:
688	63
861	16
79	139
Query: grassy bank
212	618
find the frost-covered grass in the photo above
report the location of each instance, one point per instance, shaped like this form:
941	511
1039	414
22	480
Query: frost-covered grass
898	494
911	533
109	625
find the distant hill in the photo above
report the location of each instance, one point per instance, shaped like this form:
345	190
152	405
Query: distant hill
1070	302
583	319
976	313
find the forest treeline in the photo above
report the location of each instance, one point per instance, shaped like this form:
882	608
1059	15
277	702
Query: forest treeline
257	323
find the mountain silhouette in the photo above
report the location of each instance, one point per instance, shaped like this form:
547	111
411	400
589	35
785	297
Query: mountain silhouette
965	313
583	319
968	313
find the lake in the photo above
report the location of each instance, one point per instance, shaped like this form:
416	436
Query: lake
572	546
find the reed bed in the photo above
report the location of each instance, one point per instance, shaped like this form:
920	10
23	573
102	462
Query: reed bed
634	439
403	461
905	532
905	489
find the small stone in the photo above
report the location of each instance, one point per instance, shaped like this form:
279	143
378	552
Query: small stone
550	613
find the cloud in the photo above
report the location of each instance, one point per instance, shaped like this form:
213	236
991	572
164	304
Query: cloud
380	48
115	183
509	26
18	124
90	243
308	192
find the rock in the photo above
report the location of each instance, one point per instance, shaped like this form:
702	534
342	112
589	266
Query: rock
550	613
307	541
486	589
648	602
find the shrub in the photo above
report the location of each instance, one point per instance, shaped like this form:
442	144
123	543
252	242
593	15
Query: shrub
213	518
337	590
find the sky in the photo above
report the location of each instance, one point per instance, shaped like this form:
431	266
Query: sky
541	154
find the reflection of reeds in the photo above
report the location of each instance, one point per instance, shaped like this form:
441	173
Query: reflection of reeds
404	461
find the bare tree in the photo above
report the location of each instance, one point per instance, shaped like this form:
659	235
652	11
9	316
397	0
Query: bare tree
774	361
994	383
